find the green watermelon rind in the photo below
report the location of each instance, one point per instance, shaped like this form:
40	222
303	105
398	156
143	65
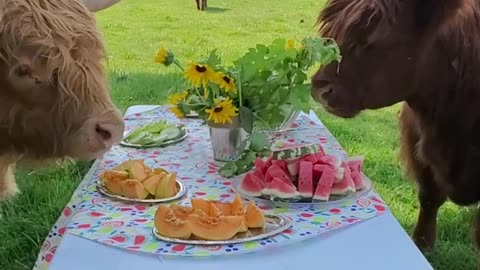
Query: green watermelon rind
295	152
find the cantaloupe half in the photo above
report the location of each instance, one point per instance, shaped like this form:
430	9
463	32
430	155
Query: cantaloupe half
134	189
237	209
168	224
167	186
151	184
214	228
254	217
225	207
181	212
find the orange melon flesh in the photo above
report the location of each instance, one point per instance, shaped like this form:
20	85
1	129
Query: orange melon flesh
113	185
237	210
167	186
254	217
211	228
181	212
138	171
225	208
169	225
114	175
200	204
132	188
151	184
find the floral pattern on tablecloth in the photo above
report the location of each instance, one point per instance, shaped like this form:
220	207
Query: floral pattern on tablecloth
129	225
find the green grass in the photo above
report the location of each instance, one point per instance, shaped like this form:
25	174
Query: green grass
133	30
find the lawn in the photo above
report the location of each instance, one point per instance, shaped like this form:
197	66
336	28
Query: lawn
133	30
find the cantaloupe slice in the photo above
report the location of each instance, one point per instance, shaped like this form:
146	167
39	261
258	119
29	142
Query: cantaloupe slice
138	171
214	228
168	224
114	175
151	183
126	165
167	186
134	189
254	217
200	204
113	185
160	171
238	210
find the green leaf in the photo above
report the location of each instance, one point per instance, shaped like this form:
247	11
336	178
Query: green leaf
300	97
213	59
229	169
246	119
258	141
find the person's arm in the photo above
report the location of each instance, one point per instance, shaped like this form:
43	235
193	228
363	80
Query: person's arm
97	5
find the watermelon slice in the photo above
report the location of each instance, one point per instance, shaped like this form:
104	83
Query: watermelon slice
336	163
305	179
358	180
355	163
252	185
324	186
276	171
259	173
282	164
344	187
310	158
281	189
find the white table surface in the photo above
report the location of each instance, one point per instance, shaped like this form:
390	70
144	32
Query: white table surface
379	243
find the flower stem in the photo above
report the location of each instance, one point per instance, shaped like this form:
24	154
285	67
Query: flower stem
178	65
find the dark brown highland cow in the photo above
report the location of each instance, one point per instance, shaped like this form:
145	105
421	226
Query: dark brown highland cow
427	54
54	99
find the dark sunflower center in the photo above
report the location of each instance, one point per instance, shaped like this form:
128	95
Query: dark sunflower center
201	69
226	79
218	109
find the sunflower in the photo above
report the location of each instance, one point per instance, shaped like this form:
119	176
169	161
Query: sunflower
225	82
175	110
198	74
177	97
164	56
290	44
174	100
222	112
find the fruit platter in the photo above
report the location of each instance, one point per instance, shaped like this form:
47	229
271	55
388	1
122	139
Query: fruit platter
134	181
156	134
301	174
208	222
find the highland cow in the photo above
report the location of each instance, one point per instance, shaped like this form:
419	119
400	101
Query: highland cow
54	97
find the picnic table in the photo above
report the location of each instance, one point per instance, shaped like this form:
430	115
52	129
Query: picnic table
373	240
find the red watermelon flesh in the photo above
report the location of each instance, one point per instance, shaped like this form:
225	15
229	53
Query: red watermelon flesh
324	186
336	163
277	187
293	166
348	177
276	171
252	185
259	173
310	158
305	179
355	163
319	154
345	186
358	180
317	172
282	164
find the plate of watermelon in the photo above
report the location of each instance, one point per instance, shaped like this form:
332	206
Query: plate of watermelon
303	175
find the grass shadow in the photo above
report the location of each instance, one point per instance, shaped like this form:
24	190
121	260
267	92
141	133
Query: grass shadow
216	10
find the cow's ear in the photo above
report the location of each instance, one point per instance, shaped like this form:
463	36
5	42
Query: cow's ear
437	16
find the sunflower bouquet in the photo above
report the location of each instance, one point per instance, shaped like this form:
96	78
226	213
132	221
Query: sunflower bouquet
259	91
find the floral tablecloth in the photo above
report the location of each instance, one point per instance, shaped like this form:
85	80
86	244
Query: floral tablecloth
93	216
